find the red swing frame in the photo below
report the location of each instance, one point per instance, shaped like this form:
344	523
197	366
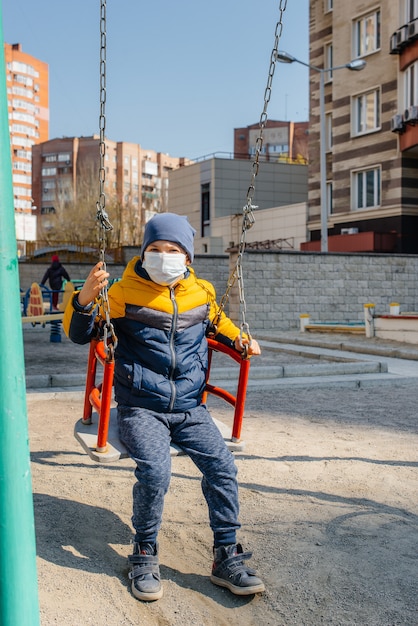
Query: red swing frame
99	396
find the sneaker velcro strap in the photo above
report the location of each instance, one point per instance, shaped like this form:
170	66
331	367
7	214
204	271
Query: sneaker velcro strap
235	567
237	558
235	564
140	570
139	559
143	564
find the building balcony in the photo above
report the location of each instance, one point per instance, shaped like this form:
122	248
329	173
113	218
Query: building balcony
356	242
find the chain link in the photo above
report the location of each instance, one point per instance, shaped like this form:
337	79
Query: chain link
248	218
101	203
109	337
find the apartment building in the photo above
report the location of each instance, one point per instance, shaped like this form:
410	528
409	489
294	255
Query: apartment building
371	136
282	141
28	107
65	176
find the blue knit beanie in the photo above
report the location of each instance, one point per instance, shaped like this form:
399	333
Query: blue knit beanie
169	227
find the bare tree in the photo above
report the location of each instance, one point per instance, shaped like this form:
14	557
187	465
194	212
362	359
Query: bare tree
74	219
75	209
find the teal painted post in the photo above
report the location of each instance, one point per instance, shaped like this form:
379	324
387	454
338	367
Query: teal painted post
18	577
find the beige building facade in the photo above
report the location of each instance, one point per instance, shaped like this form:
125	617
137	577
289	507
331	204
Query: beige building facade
212	194
371	148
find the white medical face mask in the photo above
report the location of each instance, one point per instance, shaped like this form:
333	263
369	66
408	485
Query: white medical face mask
163	267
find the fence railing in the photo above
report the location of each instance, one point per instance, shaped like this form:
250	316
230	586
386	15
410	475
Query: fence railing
68	252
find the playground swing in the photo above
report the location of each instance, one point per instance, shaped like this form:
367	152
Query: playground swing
100	439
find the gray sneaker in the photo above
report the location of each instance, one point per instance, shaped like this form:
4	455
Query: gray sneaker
230	571
145	572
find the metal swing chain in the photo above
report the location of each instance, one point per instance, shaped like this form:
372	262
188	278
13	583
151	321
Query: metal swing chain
248	219
109	337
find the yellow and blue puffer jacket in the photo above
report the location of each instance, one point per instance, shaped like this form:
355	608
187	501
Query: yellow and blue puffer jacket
161	357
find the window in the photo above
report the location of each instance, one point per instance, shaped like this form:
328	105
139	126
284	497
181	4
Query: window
411	85
23	166
328	132
49	171
328	52
17	66
366	112
23	204
21	191
366	187
23	154
22	104
21	91
22	141
330	208
205	209
25	130
278	149
329	5
367	34
23	117
21	179
23	80
410	10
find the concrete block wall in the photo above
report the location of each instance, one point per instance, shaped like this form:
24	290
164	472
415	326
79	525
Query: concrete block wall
280	286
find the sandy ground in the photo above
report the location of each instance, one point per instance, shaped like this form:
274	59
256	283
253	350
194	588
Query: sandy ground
328	488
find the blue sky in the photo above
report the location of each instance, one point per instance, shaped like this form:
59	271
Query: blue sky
180	75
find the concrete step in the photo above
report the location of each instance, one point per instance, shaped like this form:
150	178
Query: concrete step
229	374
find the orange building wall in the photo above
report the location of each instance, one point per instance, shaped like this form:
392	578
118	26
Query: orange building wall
28	109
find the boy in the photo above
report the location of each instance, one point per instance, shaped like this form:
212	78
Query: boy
161	313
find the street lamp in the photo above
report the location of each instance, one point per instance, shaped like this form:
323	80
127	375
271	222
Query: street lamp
356	65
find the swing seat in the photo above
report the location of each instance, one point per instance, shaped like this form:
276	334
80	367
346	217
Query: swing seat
97	430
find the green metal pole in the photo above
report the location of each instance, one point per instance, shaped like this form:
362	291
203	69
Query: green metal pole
18	577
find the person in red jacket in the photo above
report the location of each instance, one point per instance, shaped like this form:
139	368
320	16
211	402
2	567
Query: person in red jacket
161	313
55	274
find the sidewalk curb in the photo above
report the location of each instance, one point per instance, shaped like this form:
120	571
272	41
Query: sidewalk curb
365	347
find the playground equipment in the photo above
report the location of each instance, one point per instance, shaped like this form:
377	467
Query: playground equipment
18	576
102	350
38	311
395	326
97	432
103	444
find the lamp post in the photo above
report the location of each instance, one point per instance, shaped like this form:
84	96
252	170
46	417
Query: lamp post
356	65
